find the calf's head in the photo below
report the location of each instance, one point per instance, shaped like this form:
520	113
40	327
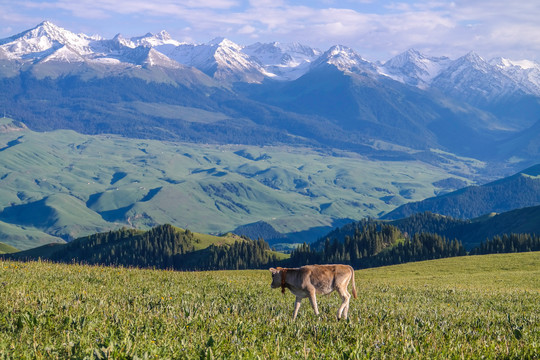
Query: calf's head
276	277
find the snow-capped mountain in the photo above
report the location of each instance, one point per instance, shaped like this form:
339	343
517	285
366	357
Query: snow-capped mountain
220	58
345	59
467	106
154	40
472	78
43	40
414	68
283	61
469	78
524	72
50	43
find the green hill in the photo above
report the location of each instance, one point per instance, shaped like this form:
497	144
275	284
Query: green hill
6	249
513	192
25	237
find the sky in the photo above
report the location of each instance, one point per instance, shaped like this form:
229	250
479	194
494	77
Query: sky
377	30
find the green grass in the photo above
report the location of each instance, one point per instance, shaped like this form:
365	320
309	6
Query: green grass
471	307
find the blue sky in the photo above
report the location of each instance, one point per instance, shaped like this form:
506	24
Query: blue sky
377	30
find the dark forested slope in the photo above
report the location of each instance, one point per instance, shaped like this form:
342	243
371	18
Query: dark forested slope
514	192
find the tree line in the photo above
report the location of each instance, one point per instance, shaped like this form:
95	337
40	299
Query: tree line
373	244
508	244
362	244
240	255
161	247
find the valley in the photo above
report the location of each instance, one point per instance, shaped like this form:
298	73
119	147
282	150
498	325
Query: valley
60	185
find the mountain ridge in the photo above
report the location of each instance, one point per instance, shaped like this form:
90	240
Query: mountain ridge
517	191
410	67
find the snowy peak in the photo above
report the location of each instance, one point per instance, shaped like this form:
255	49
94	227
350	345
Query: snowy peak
118	42
472	60
234	65
524	72
414	68
49	31
469	64
224	43
149	40
275	53
473	79
154	40
284	61
44	39
219	58
345	59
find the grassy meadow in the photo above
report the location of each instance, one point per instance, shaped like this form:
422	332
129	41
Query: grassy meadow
469	307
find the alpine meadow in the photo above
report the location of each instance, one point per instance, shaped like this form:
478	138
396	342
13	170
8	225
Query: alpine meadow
470	307
148	184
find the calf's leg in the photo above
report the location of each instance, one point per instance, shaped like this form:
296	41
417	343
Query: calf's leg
313	301
296	307
344	308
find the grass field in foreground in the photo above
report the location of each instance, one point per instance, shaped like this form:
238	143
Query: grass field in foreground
471	307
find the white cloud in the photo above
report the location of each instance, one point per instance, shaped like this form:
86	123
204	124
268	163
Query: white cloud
377	29
247	29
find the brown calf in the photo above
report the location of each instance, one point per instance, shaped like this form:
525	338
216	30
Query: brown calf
309	280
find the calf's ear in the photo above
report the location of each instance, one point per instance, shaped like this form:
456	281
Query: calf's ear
272	270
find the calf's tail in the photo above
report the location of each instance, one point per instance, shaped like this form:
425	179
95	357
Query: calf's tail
353	284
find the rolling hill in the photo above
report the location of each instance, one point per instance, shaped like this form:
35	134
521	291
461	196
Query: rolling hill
6	249
61	185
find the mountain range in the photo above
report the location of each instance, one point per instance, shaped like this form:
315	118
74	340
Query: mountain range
272	93
223	59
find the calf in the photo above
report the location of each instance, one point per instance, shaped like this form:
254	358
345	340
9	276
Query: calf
309	280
